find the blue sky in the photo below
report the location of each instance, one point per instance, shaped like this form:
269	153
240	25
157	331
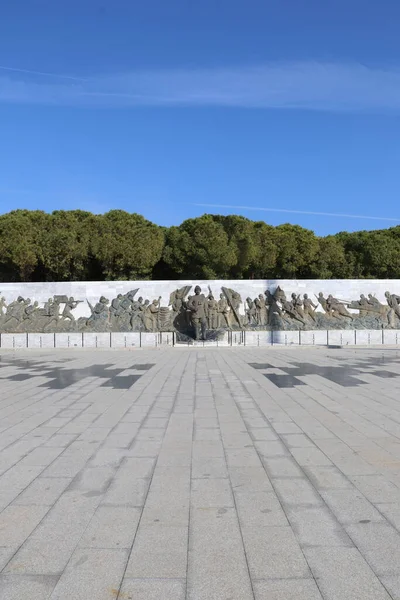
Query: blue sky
172	109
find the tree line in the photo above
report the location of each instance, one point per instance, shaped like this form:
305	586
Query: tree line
80	246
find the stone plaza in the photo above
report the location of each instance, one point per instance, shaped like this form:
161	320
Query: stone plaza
192	473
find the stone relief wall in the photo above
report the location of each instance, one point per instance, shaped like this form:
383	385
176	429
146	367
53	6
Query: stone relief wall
200	310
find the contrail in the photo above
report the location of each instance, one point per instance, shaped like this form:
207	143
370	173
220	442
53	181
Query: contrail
298	212
3	68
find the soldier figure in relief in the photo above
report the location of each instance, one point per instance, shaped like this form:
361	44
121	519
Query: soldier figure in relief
3	305
393	302
309	307
298	305
70	306
323	302
373	301
261	307
99	312
30	311
251	312
151	315
212	311
223	311
198	307
337	308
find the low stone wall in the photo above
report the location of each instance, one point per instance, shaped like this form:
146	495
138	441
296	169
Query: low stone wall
129	340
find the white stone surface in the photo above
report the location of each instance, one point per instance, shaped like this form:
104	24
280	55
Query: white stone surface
346	289
343	337
154	340
13	340
40	340
96	340
68	340
392	336
129	339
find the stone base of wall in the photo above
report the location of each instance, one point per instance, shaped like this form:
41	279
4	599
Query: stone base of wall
15	341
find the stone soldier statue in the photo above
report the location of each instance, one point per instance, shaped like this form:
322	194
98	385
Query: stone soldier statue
393	302
261	306
151	315
15	310
323	302
47	307
223	311
309	307
114	308
3	305
30	311
251	312
70	306
100	311
198	307
373	301
53	308
212	311
136	317
336	308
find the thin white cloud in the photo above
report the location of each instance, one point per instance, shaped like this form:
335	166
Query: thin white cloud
42	73
300	85
298	212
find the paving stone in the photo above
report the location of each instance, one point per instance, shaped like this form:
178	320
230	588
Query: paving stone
159	552
296	492
310	457
316	526
34	587
209	467
18	522
49	548
379	543
283	466
250	479
153	589
208	493
261	509
43	491
273	552
326	478
111	527
286	589
392	584
297	441
350	506
377	488
217	566
6	554
92	573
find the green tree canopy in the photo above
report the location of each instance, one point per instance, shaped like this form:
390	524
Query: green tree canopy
199	249
77	245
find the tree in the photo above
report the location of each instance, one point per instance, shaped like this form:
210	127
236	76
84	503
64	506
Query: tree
297	250
126	245
65	245
20	250
199	249
242	240
331	261
264	263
